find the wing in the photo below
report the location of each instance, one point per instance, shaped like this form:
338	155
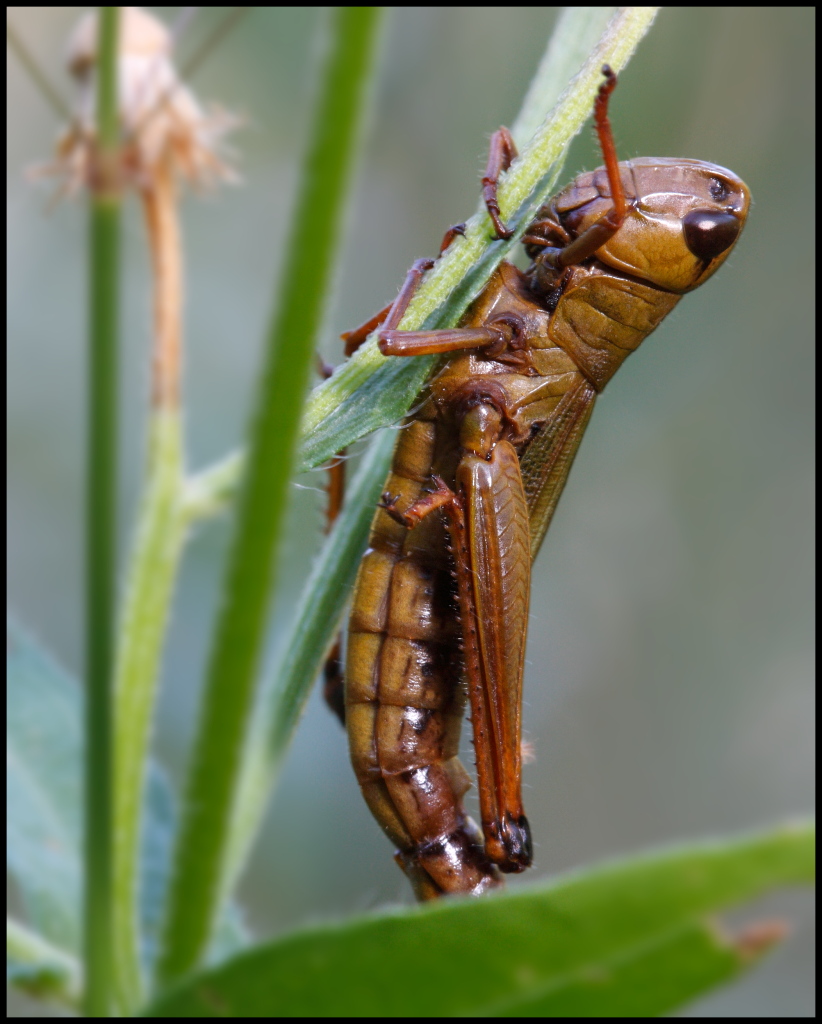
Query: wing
547	460
494	582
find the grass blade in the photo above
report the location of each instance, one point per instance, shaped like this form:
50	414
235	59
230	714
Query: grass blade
203	841
370	391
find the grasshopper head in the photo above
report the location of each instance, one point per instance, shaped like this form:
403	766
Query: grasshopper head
684	218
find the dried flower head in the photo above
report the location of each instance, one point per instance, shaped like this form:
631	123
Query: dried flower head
162	121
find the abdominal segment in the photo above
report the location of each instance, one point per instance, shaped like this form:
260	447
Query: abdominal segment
403	692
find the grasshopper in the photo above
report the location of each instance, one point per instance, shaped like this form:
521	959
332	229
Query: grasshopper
440	606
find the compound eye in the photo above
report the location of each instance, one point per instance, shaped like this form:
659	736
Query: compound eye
708	233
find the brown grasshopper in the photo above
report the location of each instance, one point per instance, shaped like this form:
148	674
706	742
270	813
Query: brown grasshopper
440	607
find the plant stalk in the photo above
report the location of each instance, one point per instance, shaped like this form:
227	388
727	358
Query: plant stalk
101	525
199	866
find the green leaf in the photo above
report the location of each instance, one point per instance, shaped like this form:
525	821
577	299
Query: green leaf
645	981
43	755
39	968
622	939
44	821
317	617
155	859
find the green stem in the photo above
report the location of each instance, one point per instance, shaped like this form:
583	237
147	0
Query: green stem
211	490
199	865
152	571
101	529
150	579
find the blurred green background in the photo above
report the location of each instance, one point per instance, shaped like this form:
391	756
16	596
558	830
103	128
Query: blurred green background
669	686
